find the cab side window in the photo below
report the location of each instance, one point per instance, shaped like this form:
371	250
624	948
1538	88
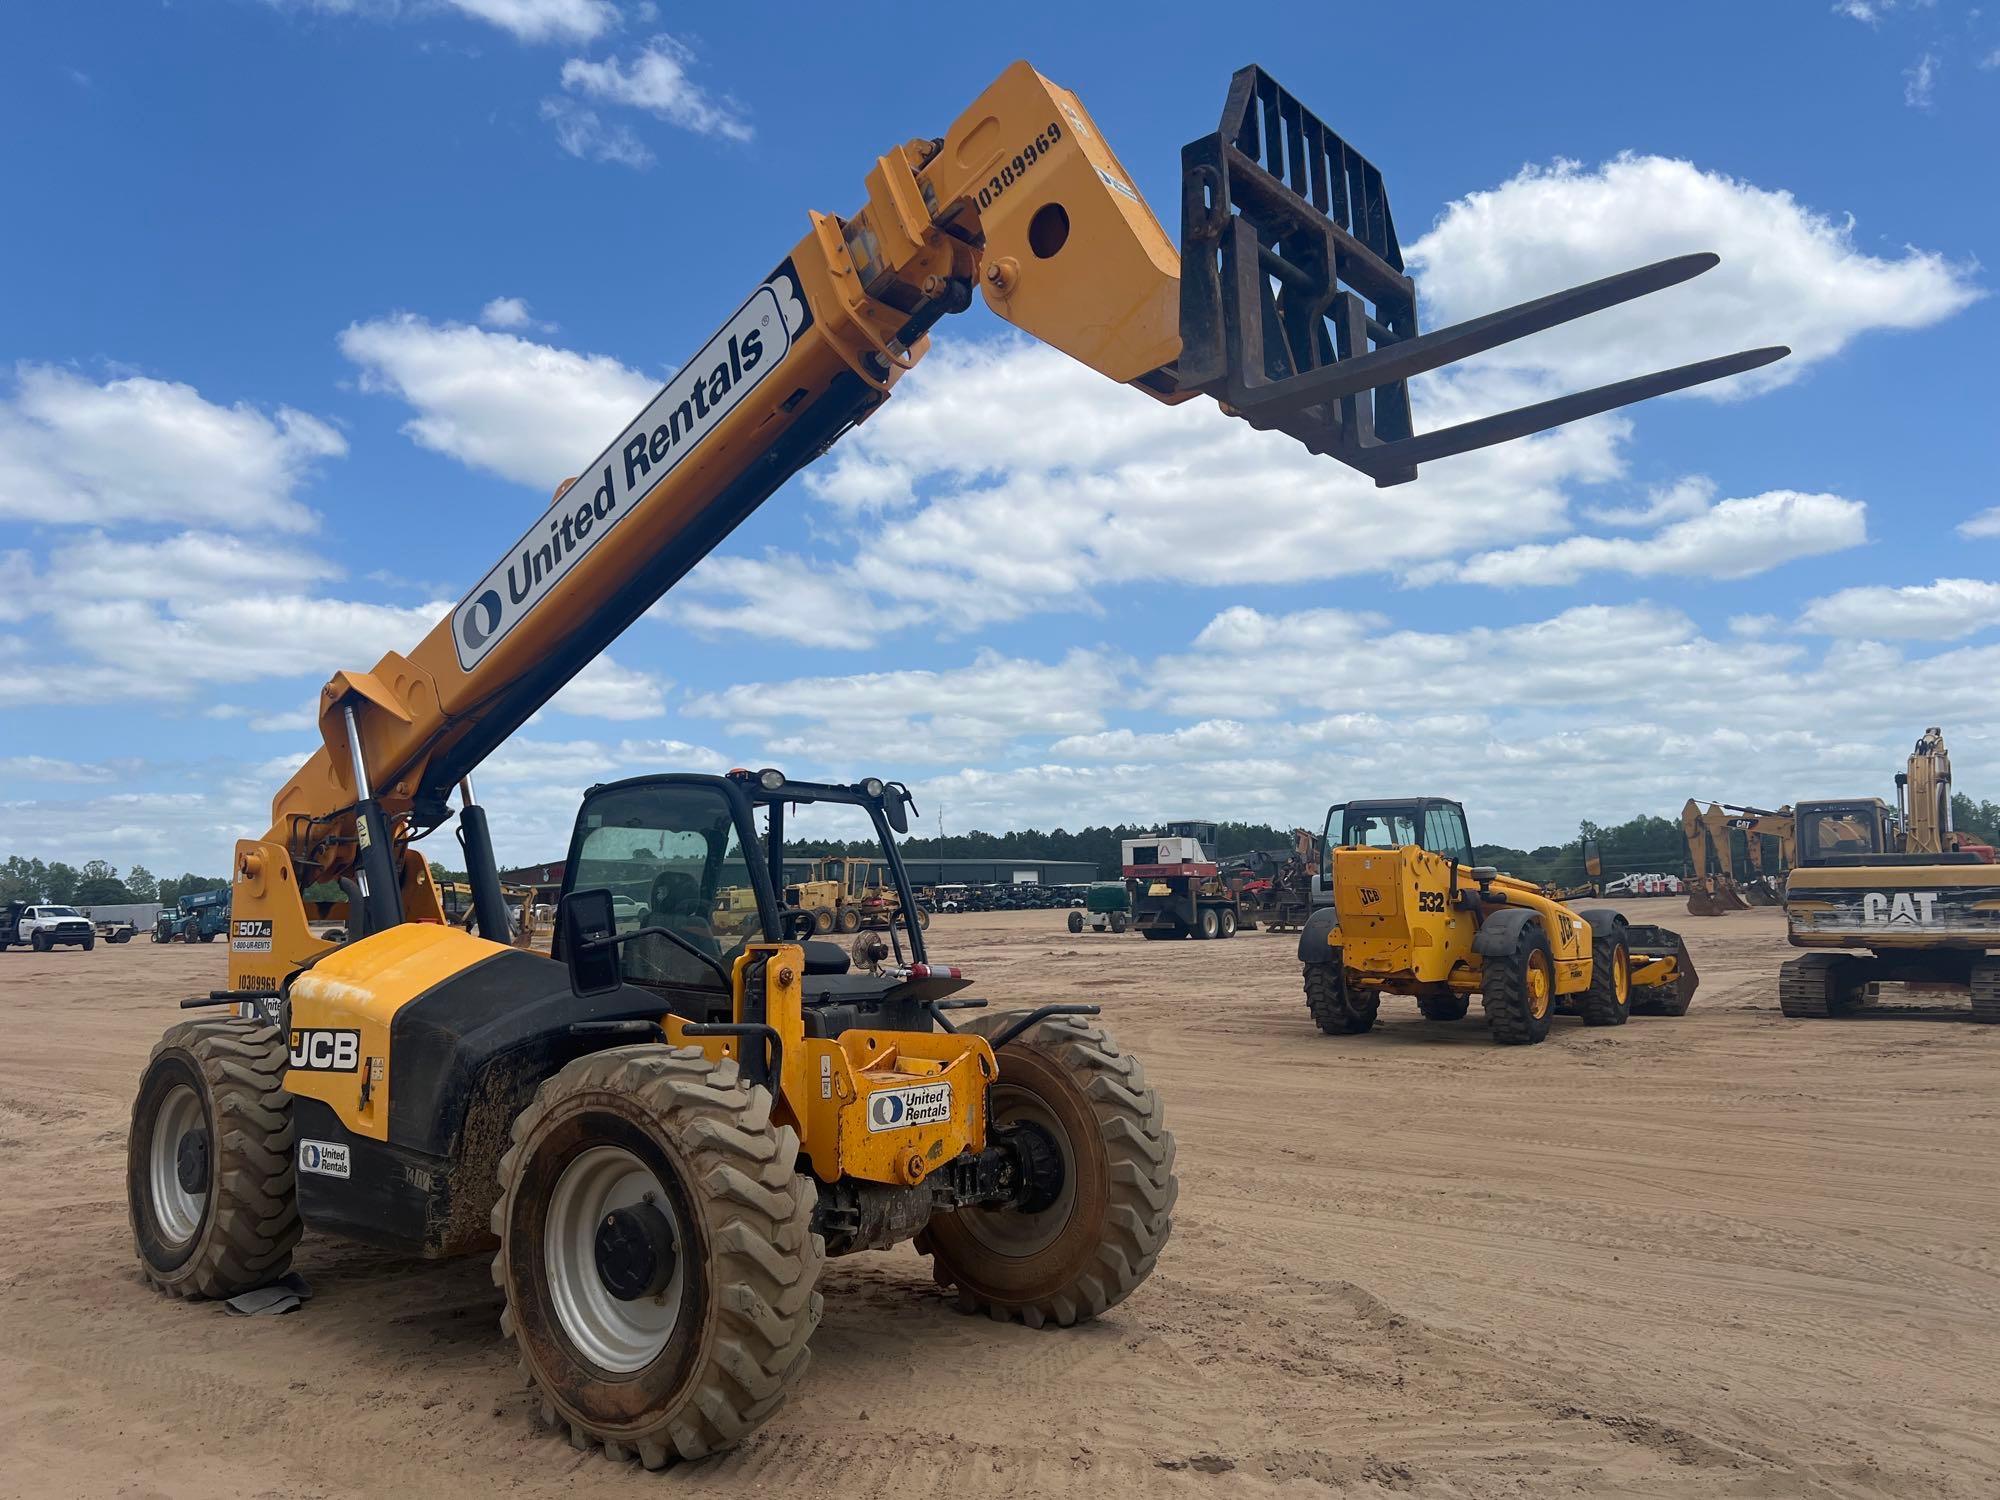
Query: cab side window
1444	833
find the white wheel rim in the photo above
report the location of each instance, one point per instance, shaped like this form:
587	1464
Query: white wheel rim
622	1337
176	1209
1008	1231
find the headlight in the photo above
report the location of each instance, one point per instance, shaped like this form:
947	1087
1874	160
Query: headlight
872	786
770	780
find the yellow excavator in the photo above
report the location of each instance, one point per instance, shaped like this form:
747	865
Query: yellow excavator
663	1128
1887	895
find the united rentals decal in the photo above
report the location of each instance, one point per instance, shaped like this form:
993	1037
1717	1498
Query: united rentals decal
706	389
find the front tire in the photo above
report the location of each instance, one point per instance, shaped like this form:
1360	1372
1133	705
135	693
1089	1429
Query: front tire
1076	921
1090	1248
1608	1001
679	1328
89	943
1336	1009
822	921
1520	992
39	941
210	1185
1444	1007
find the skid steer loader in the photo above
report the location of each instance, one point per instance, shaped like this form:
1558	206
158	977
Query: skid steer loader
1412	915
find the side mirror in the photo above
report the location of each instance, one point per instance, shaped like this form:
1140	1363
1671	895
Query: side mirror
896	808
587	926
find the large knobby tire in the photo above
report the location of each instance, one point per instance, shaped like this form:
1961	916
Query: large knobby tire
1076	921
1444	1007
691	1366
822	919
1519	995
1336	1009
1608	1001
210	1185
849	919
1100	1238
1160	934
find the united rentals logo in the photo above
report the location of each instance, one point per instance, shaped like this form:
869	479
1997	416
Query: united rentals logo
1903	909
896	1109
706	389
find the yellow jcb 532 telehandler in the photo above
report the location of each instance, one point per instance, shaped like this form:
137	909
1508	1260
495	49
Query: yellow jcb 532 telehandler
1412	915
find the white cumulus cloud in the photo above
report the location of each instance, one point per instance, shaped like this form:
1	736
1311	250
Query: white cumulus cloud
1944	610
520	409
656	80
78	451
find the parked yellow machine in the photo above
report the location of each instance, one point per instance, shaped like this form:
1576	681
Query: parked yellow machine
1412	915
666	1125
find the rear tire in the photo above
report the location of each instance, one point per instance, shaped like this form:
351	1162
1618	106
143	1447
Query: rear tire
1444	1007
1090	1249
1608	1001
1335	1008
693	1368
1160	934
1519	997
1118	922
217	1217
1227	920
849	919
1207	923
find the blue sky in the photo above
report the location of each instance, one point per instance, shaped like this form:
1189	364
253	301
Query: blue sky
311	302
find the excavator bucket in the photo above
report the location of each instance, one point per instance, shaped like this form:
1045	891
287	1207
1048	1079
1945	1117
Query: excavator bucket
1297	314
1702	903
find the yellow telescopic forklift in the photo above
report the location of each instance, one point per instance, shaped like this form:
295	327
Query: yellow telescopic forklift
660	1130
1412	915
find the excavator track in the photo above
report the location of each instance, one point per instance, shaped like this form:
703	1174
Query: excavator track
1809	986
1986	992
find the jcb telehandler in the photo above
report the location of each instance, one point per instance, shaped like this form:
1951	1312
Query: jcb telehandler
663	1128
1412	915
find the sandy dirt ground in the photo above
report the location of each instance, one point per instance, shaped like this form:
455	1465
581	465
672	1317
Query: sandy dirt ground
1720	1256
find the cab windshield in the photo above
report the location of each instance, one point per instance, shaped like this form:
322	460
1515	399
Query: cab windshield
671	857
1387	828
1826	832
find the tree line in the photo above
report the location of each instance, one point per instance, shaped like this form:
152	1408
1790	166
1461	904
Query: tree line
1644	843
95	883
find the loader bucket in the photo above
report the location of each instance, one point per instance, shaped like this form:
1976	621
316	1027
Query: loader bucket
1297	315
1672	996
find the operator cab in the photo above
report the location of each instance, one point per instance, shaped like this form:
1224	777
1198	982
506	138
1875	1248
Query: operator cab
1847	831
1433	823
694	867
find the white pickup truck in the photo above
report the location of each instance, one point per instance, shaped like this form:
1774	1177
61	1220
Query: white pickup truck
43	925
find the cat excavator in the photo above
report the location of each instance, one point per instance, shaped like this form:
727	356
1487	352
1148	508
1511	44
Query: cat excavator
660	1130
1885	895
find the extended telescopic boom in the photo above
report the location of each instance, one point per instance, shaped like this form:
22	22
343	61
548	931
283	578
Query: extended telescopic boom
1289	305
